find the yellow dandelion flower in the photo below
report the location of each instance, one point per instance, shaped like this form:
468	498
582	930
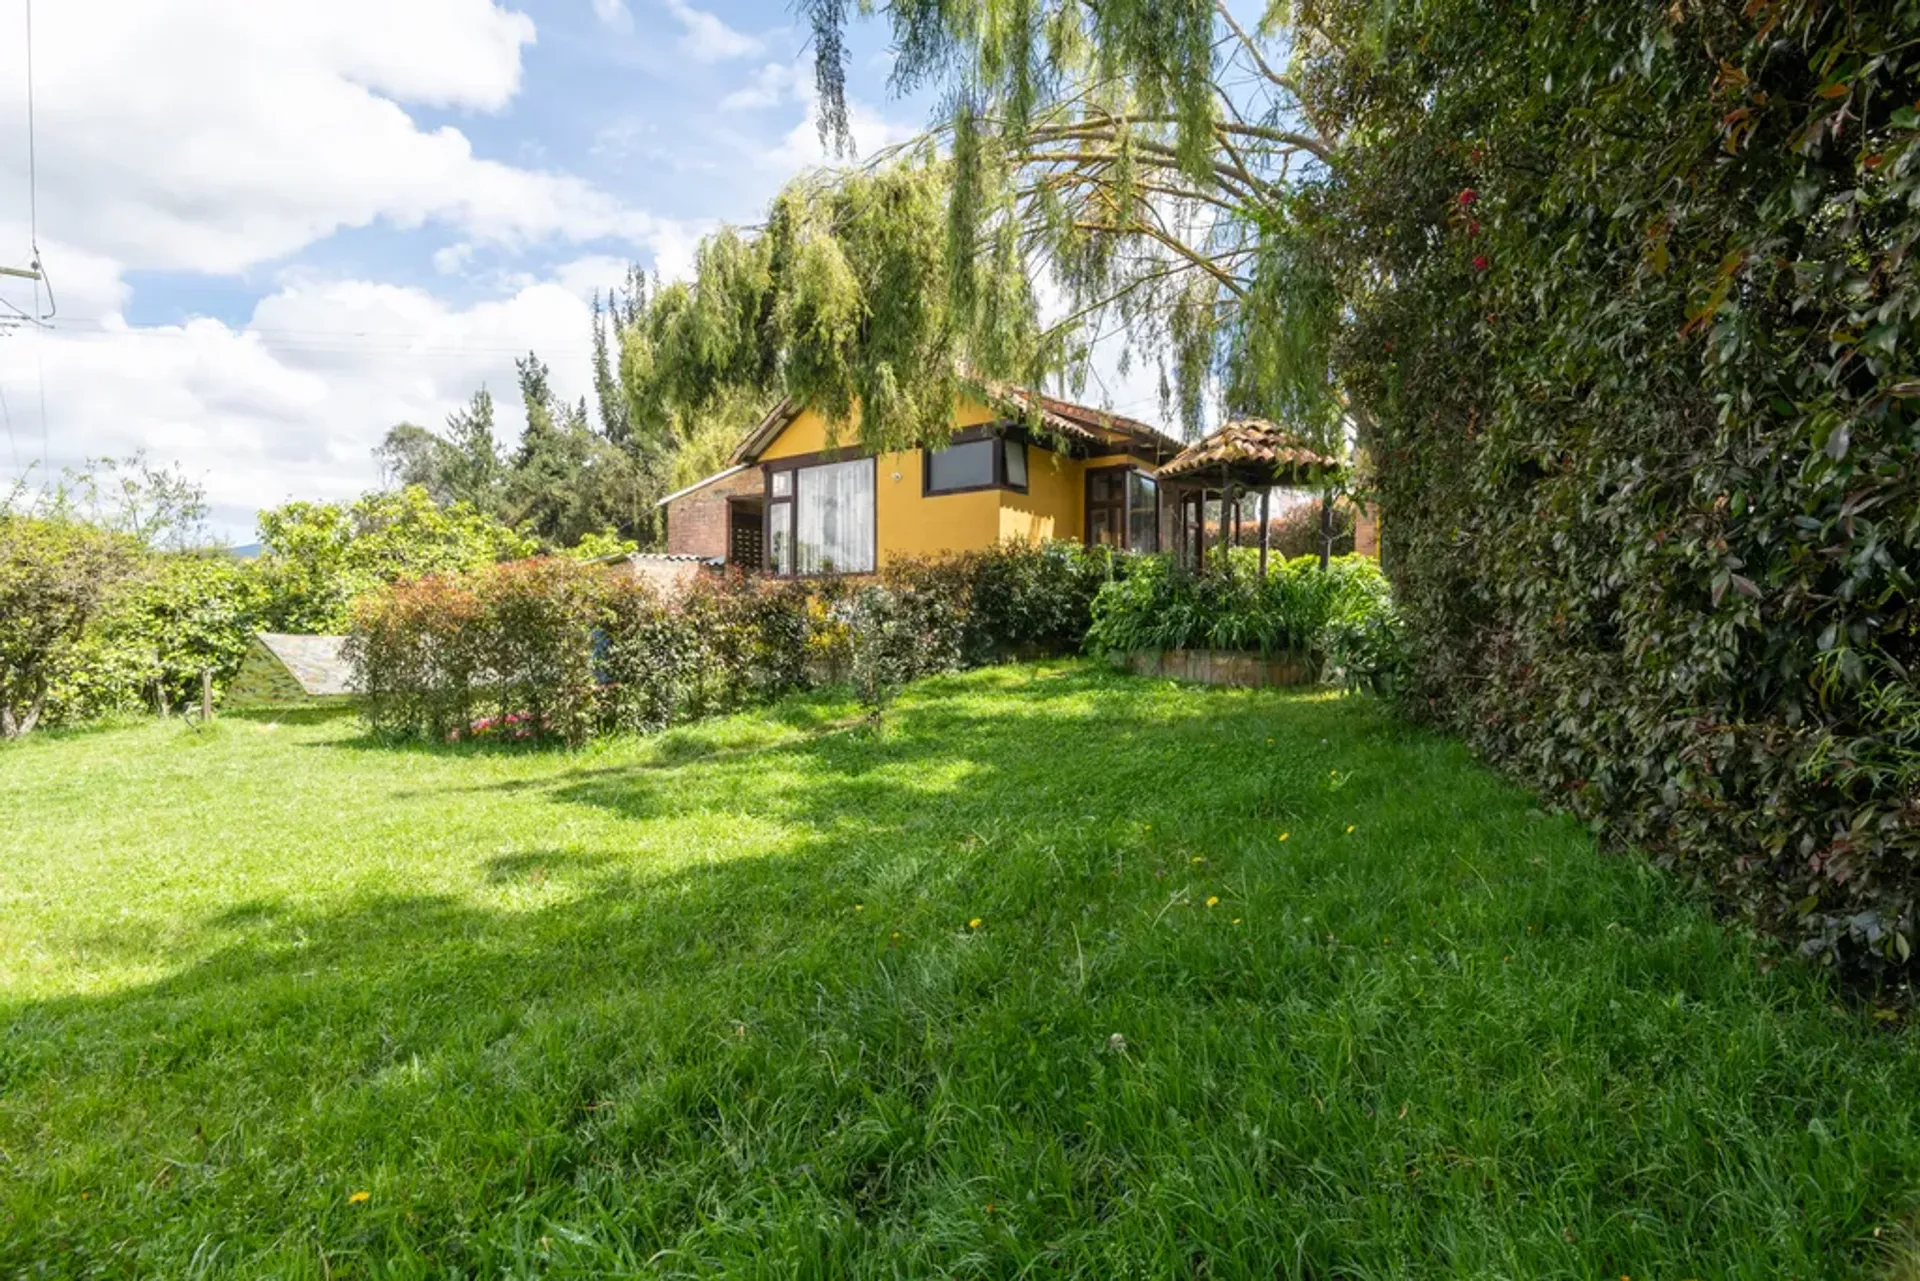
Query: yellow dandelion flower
359	1198
1285	835
1349	829
1269	742
1197	860
974	924
1236	920
1213	900
859	907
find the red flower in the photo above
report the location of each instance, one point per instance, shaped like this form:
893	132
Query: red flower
1480	262
1467	196
1473	226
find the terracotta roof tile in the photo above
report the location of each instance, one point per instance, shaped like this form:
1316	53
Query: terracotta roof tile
1248	444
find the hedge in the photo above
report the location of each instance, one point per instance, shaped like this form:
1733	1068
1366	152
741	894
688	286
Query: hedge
1634	315
550	648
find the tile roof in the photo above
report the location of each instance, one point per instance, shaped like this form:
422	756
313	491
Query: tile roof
1082	423
1248	445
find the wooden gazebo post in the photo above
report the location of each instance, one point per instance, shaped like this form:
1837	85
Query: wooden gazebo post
1266	529
1228	542
1251	452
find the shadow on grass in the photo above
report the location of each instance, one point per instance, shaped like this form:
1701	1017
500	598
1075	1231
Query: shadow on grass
807	1059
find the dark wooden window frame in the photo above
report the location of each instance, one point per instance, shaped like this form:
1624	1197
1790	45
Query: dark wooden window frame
734	504
1125	505
789	504
1000	432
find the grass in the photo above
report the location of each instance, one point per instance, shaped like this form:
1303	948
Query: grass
716	1003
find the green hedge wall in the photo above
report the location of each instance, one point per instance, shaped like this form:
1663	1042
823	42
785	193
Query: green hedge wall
1635	321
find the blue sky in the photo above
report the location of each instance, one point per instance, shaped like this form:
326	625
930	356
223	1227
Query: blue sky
275	228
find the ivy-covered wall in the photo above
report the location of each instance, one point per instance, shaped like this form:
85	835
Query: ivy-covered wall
1635	313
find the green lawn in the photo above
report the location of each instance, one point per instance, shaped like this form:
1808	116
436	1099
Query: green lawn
1066	973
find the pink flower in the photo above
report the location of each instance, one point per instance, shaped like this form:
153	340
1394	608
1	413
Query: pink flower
1480	262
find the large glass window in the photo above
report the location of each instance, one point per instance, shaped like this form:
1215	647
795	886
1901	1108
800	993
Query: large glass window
1143	513
780	534
1123	509
987	463
968	466
1016	464
833	518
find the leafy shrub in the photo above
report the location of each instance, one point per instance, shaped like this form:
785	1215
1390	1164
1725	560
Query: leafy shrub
56	575
176	615
1161	606
1636	306
1029	598
417	650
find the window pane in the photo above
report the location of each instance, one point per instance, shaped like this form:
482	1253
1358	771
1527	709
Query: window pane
782	484
1143	513
1016	463
1105	486
835	518
780	536
1103	526
960	467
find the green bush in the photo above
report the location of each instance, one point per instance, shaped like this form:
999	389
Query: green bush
1161	606
56	576
1635	301
179	614
552	648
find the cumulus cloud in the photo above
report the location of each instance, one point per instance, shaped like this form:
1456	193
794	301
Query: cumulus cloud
707	38
207	135
773	84
291	403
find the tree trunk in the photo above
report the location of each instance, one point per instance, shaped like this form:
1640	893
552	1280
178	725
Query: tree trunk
32	717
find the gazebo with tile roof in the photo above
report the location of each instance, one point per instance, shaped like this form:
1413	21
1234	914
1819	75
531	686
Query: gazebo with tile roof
1243	456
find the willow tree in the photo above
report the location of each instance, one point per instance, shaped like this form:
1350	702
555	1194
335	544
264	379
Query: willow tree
848	298
1155	160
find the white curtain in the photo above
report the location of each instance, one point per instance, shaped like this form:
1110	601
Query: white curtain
835	517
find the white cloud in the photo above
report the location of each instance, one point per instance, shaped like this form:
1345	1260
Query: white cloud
292	403
872	132
215	135
707	38
451	260
773	84
614	13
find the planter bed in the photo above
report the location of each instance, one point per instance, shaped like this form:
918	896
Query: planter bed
1248	670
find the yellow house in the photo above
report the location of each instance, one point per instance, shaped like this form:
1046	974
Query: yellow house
791	503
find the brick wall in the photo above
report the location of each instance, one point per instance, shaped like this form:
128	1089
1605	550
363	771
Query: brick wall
697	522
